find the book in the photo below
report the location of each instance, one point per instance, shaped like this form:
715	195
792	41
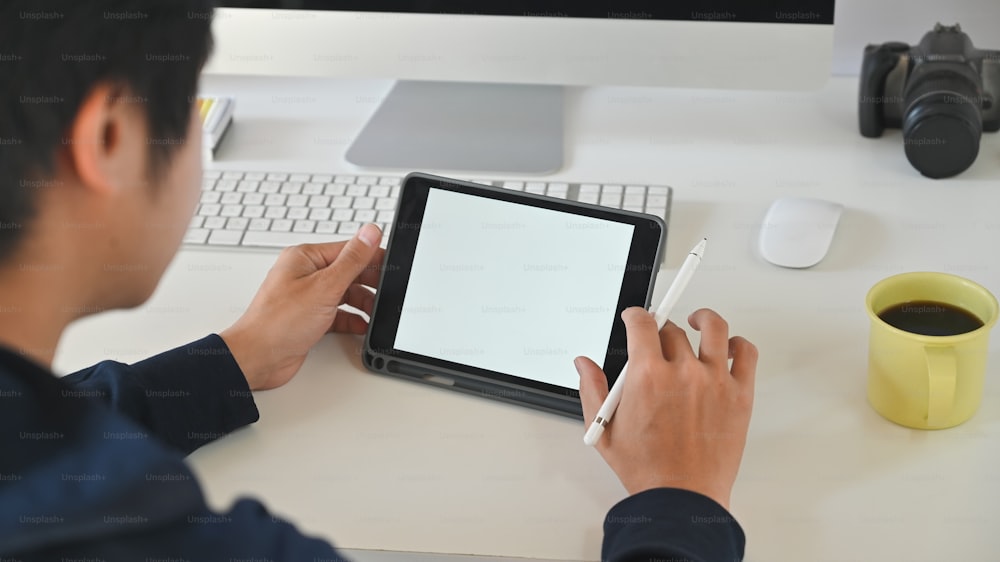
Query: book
216	116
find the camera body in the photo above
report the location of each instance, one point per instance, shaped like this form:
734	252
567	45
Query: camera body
943	93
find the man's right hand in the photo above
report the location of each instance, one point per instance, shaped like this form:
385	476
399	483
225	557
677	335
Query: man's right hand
683	417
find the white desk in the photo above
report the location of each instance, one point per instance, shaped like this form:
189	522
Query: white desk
382	464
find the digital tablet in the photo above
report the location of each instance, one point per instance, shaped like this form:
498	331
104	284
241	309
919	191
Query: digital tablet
494	292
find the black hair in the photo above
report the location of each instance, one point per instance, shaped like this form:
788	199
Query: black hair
54	52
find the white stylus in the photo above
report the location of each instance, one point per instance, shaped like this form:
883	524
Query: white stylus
670	299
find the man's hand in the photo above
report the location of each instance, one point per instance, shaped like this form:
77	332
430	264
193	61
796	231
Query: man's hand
299	302
683	418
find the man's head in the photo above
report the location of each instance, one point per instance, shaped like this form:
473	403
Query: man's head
99	141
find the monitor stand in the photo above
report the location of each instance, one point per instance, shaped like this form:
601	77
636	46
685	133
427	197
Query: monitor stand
505	128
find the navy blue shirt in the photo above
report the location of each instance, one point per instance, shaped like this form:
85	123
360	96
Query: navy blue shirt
92	467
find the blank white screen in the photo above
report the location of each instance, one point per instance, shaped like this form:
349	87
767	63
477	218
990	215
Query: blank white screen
512	288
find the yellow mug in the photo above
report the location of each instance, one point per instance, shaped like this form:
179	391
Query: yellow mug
927	381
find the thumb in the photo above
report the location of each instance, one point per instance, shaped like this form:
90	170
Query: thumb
593	387
353	258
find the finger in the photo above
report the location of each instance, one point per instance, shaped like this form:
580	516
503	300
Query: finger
675	342
321	256
352	260
348	323
593	387
744	354
643	340
360	297
714	347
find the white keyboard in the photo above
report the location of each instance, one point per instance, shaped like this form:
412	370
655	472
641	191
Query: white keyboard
276	209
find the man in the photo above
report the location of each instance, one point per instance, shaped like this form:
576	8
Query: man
99	174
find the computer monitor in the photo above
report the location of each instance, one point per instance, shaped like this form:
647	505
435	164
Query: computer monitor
480	84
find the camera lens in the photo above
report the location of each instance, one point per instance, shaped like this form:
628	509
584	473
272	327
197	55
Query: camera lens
942	126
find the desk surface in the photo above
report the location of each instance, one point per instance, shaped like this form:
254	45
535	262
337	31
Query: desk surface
382	464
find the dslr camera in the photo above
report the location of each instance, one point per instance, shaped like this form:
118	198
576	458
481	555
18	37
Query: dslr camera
943	93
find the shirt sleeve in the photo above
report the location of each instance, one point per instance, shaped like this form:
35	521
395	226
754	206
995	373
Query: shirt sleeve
671	524
186	397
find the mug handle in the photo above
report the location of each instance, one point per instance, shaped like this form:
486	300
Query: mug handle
942	367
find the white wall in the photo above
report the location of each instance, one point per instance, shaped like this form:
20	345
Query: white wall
860	22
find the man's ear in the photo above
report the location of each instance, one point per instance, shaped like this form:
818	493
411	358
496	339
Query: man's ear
106	141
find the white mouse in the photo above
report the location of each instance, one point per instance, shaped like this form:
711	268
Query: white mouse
797	231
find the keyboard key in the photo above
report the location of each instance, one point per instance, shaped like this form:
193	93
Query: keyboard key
196	221
348	227
253	211
385	216
269	186
231	210
212	174
274	176
327	227
390	181
319	201
633	201
304	226
225	185
232	175
365	215
633	208
535	187
313	188
209	210
344	179
215	223
291	187
379	191
656	201
297	213
515	185
635	190
611	200
300	178
335	189
385	204
612	189
284	239
237	223
255	176
342	215
259	224
297	200
225	237
207	184
281	225
357	190
588	198
341	202
196	236
589	188
276	212
247	186
231	198
275	199
253	199
319	214
210	196
395	191
559	195
557	189
364	203
322	178
367	180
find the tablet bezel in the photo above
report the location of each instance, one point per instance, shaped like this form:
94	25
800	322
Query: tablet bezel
380	354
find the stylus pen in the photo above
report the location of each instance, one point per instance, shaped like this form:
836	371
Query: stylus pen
670	299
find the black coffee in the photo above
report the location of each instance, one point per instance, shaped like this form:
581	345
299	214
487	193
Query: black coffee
930	318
